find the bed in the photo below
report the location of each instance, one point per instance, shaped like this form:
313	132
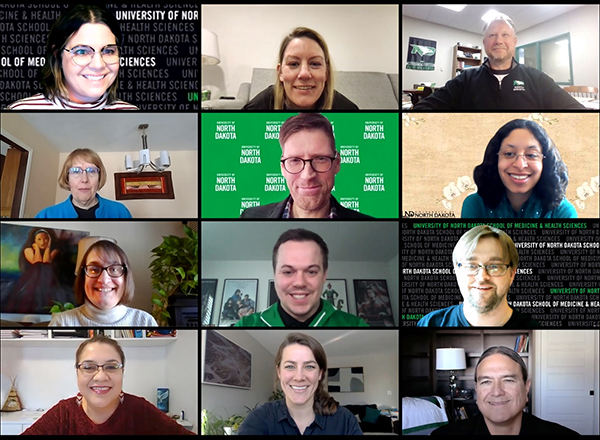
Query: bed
421	415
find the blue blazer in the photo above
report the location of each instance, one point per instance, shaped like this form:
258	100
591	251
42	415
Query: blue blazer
107	209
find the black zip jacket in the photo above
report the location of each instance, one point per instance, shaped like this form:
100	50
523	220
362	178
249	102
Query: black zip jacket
524	88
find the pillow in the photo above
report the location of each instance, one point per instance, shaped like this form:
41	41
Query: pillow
371	415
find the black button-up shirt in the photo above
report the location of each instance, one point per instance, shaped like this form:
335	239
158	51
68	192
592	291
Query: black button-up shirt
273	418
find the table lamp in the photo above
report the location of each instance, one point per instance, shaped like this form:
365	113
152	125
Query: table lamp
450	359
210	54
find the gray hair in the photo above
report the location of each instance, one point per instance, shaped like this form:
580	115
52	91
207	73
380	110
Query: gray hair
502	17
468	242
506	352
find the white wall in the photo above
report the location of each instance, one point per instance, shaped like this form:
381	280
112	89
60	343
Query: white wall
381	374
46	375
184	172
263	270
581	23
359	37
137	239
446	38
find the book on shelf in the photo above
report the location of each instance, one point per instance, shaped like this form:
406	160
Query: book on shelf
522	343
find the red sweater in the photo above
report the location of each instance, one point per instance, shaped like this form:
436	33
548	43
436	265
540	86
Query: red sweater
134	416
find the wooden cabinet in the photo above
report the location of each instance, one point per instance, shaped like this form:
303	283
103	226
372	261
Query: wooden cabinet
465	58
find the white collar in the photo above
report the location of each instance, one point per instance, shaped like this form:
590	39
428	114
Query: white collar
104	316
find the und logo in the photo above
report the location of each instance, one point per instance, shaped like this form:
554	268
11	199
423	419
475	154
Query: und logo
518	86
423	51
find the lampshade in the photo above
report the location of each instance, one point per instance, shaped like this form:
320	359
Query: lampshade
450	359
210	48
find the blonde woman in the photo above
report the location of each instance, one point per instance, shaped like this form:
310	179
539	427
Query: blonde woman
304	77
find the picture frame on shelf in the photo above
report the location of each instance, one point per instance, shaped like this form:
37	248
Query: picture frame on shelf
209	293
335	292
239	300
373	302
226	363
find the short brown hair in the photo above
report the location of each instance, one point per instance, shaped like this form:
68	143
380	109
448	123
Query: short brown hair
101	339
306	121
324	404
89	156
116	255
301	235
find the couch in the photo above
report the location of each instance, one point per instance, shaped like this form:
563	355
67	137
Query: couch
372	423
368	90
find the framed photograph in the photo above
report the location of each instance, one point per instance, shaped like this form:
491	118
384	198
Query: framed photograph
226	363
345	380
209	292
334	292
273	298
373	302
37	268
145	185
239	300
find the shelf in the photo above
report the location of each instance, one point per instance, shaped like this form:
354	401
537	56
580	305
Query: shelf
74	342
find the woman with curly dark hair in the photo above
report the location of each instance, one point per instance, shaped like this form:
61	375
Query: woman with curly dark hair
522	176
307	408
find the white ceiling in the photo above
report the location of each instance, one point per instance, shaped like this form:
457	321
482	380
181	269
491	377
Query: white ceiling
469	19
113	132
335	342
347	241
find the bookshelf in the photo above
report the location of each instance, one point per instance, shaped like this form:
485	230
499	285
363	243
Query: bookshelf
51	341
465	58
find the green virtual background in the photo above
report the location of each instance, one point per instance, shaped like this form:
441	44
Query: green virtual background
240	168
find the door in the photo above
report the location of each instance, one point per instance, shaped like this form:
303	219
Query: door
566	386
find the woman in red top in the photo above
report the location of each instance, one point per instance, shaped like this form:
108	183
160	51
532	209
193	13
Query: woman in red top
101	407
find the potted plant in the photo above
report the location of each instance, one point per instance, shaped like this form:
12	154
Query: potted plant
174	270
233	423
211	424
277	395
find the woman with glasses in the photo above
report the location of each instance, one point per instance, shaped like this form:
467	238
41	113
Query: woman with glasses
522	176
103	286
101	407
82	64
83	175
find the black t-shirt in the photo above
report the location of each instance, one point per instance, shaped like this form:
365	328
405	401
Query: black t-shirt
290	321
265	100
530	425
86	213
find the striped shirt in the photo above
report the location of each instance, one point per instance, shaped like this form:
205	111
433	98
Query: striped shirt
40	102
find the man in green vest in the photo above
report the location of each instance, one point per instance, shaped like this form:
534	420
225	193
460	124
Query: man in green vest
300	266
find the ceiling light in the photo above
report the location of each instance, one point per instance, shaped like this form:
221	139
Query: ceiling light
456	8
491	14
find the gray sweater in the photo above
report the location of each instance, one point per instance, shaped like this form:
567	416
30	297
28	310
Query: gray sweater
88	315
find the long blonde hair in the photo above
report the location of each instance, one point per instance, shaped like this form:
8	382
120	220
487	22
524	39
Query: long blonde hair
328	91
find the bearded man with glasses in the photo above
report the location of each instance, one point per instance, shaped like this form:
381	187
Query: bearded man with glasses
485	261
309	163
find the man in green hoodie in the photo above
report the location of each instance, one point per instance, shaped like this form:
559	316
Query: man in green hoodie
300	266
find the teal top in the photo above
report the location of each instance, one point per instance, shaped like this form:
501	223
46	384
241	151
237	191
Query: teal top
474	207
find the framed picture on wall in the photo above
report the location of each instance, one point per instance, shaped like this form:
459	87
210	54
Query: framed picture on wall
373	302
239	300
226	363
209	292
272	293
334	292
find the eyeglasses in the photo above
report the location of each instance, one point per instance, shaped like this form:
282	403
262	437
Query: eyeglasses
91	368
78	171
531	157
114	270
493	270
320	164
83	55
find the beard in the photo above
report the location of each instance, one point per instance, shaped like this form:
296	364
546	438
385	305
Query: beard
485	304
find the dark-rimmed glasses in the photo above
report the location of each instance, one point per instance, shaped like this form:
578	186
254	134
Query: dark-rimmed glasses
493	270
91	368
114	270
83	55
295	165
